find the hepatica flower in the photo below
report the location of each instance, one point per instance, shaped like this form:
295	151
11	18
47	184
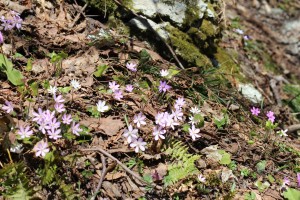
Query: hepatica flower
75	129
163	86
59	99
1	38
164	73
131	134
179	103
177	114
113	86
8	107
285	182
52	90
193	132
195	110
118	95
129	88
24	132
239	31
139	119
131	66
54	133
298	179
59	107
38	116
75	84
66	119
41	148
138	145
271	116
201	178
282	133
158	132
101	107
255	111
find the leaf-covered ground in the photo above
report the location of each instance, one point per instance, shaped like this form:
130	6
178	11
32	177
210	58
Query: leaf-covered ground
126	123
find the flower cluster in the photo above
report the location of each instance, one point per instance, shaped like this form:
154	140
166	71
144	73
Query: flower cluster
256	111
13	21
117	92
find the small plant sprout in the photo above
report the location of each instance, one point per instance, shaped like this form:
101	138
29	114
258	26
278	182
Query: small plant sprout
131	66
179	103
66	119
129	88
282	133
271	116
113	86
75	84
201	178
118	95
163	86
158	132
41	148
131	134
139	119
101	107
52	90
8	107
193	132
75	129
195	110
255	111
138	145
164	73
24	132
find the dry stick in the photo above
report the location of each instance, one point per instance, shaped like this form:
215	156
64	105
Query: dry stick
275	92
119	163
78	15
293	128
145	21
104	171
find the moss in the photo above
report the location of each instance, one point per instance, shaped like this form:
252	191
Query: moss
107	6
191	15
186	49
208	28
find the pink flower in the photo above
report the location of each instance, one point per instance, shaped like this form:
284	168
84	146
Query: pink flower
59	99
1	38
38	116
138	145
129	88
139	119
286	181
298	179
271	116
75	129
66	119
54	133
177	114
193	132
130	134
179	103
113	86
53	124
41	148
131	66
118	95
25	132
255	111
201	178
59	107
158	132
8	107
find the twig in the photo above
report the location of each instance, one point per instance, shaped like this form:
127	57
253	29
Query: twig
275	92
145	21
104	171
293	128
78	15
121	164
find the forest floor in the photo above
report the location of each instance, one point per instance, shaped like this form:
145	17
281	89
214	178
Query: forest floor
211	145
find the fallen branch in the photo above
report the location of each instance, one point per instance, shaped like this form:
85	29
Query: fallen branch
121	164
104	171
293	128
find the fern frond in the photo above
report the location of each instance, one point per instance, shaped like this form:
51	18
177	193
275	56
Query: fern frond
183	163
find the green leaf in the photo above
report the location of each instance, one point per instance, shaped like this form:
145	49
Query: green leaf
5	64
172	72
144	85
226	158
291	194
101	70
29	65
64	90
261	166
185	127
15	77
34	88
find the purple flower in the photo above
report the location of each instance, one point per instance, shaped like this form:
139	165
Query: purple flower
163	86
129	88
59	99
59	107
113	86
17	22
255	111
38	116
1	38
48	116
75	129
25	132
286	181
271	116
66	119
158	132
7	23
53	124
138	145
246	37
118	95
54	133
201	178
298	179
170	122
43	126
193	132
177	114
131	66
130	134
139	119
8	107
41	148
179	103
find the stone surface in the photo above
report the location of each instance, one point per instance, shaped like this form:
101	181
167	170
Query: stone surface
250	92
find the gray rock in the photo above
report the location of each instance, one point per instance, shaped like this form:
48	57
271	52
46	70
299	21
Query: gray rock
249	92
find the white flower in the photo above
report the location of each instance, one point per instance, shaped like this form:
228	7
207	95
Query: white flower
177	114
192	120
164	73
282	133
193	132
239	31
179	103
139	119
201	178
195	110
59	107
52	90
130	134
16	148
41	148
75	84
101	107
138	145
158	132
